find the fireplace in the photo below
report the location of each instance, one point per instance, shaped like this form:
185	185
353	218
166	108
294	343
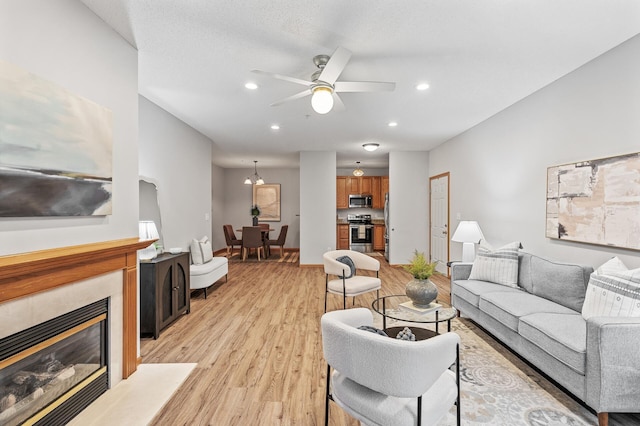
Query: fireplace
40	289
52	371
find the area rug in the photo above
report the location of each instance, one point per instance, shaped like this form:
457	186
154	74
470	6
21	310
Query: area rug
288	257
497	388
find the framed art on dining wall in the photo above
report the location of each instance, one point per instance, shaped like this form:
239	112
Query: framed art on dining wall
595	201
267	197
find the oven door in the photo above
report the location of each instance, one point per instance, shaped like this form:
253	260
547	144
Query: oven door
361	238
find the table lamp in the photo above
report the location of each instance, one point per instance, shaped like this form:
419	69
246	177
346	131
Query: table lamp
468	233
147	231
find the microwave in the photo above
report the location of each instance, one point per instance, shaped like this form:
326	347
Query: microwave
360	201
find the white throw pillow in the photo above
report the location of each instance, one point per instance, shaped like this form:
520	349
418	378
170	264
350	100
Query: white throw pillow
498	266
201	251
613	295
611	266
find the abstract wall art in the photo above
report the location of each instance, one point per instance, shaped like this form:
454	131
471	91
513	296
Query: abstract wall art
596	201
55	149
267	197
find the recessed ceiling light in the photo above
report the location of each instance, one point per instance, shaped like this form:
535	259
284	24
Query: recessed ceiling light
275	127
422	86
251	86
392	124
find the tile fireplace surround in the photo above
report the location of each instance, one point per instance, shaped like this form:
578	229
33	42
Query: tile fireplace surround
38	286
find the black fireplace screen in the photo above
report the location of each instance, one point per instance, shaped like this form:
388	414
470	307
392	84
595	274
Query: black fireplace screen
46	371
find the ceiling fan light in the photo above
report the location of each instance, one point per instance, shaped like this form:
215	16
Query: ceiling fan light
371	146
322	100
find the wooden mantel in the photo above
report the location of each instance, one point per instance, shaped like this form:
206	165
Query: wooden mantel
28	273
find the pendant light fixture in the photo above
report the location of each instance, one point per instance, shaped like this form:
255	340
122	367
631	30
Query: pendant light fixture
358	171
255	179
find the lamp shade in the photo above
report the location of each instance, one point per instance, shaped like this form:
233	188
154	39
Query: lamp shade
322	100
468	231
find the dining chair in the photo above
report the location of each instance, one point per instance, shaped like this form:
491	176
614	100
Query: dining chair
281	238
231	239
252	239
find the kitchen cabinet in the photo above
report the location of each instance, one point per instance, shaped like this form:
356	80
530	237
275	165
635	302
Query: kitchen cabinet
164	291
384	187
365	185
343	237
353	185
376	191
342	195
378	237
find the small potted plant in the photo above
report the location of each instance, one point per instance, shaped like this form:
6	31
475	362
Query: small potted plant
420	289
255	212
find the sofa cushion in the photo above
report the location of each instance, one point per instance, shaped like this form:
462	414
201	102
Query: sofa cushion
509	307
615	295
205	268
470	290
562	283
498	266
563	336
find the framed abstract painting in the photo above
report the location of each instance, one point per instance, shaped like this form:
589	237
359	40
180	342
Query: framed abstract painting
267	197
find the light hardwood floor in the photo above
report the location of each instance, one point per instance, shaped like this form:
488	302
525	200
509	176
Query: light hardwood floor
257	343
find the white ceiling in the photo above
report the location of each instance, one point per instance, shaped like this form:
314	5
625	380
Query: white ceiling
479	57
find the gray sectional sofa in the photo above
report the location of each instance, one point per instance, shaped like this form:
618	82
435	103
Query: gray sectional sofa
597	360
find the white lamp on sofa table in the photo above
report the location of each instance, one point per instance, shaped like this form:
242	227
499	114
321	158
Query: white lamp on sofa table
147	230
469	234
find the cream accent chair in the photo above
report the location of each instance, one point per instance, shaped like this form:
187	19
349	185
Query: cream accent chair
354	286
380	380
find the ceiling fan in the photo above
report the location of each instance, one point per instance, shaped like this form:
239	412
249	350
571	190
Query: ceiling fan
323	85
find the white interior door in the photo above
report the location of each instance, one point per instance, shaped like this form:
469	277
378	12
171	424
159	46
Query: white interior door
439	220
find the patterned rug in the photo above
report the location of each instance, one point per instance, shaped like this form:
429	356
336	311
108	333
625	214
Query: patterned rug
288	257
497	388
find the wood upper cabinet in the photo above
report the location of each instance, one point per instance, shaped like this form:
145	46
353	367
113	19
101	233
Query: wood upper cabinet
377	186
365	185
342	195
378	196
353	185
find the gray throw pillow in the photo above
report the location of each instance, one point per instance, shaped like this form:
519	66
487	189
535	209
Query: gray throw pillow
373	330
347	261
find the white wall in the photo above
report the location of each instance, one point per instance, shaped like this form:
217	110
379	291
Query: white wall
408	205
178	159
218	185
317	205
238	198
498	169
65	43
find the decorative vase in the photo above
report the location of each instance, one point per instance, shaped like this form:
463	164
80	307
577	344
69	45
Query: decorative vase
255	221
421	292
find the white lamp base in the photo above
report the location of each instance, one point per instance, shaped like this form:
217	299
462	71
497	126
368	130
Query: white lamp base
468	252
148	253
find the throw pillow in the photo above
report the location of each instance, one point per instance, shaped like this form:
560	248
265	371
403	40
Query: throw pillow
613	295
498	266
349	262
611	266
201	251
373	330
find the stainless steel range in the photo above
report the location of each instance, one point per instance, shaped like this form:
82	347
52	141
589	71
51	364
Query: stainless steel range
360	232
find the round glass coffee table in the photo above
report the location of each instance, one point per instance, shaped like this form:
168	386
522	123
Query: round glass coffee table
391	308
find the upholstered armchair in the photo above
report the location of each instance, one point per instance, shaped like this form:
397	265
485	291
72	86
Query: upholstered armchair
344	282
380	380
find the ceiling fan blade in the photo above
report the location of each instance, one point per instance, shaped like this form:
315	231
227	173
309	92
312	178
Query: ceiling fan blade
337	103
336	64
364	86
292	97
284	77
